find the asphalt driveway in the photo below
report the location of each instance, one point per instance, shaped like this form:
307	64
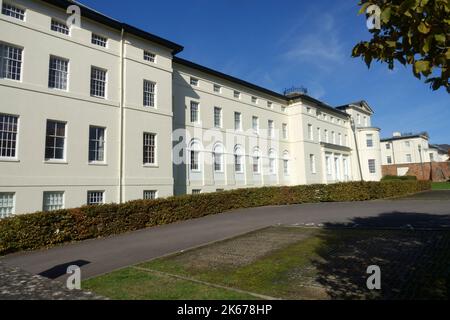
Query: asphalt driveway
100	256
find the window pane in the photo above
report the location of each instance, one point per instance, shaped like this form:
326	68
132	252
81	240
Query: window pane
6	204
12	11
55	140
10	62
8	135
58	73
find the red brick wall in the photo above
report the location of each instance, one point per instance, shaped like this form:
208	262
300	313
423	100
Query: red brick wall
436	171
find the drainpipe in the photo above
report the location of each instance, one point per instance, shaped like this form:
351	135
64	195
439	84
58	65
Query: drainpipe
121	127
421	162
352	123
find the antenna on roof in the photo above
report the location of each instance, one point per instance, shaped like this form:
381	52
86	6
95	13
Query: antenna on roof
295	91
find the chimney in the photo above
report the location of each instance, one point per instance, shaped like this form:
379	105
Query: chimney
396	134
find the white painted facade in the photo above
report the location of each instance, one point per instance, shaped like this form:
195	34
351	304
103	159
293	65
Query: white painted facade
410	148
310	141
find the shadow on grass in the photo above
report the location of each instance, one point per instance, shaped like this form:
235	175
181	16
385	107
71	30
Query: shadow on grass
412	250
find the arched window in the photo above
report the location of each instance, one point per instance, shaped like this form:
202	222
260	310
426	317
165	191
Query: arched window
218	157
272	161
286	160
256	161
194	159
238	159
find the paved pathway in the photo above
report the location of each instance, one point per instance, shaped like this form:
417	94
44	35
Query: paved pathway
16	284
100	256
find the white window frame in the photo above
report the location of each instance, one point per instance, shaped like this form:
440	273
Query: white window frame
286	163
312	163
11	67
13	11
194	82
149	56
150	94
369	141
218	158
58	73
255	124
98	85
100	145
256	162
7	204
48	202
217	117
236	94
217	88
150	150
408	158
99	40
55	138
285	131
254	100
372	166
272	162
9	136
95	195
59	27
194	112
310	132
270	128
195	157
150	194
237	121
238	157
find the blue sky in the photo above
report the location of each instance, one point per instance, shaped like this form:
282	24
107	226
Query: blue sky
279	44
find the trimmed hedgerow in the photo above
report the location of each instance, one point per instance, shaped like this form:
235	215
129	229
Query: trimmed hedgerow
46	229
399	178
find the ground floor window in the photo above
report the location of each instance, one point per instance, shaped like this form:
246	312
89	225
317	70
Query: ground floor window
372	168
95	197
150	194
53	200
196	191
6	204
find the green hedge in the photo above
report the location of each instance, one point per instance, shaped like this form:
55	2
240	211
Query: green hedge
385	178
45	229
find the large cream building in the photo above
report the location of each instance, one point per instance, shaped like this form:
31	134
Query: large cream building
104	112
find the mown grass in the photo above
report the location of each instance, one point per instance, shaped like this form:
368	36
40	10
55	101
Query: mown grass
440	186
134	284
322	264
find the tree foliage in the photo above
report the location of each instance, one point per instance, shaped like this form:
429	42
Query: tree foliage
412	32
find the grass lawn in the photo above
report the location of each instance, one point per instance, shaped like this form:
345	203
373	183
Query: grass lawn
293	263
440	185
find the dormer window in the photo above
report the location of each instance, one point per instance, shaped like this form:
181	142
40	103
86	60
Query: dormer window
149	56
13	11
59	27
194	82
99	40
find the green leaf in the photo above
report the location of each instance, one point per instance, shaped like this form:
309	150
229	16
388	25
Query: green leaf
423	28
386	15
364	7
422	66
440	38
427	44
391	43
368	60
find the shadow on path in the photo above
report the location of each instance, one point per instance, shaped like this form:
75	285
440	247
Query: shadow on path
412	250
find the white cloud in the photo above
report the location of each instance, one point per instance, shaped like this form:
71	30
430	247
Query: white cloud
320	47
